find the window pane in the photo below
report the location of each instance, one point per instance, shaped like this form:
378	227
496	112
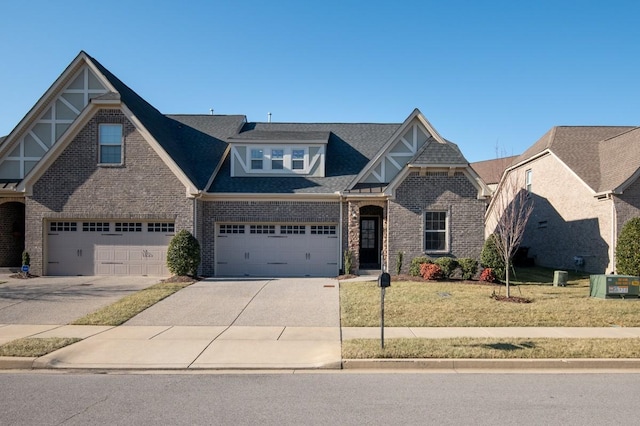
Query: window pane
435	236
110	134
277	165
256	159
277	153
110	154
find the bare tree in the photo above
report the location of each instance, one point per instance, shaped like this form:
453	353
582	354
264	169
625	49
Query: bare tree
509	212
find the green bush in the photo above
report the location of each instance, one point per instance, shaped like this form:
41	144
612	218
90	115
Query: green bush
414	267
490	257
26	259
183	254
628	248
348	262
447	264
468	267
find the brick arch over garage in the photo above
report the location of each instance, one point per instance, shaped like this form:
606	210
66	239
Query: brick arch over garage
11	232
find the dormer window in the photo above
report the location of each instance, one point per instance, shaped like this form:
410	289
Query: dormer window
257	156
277	159
297	159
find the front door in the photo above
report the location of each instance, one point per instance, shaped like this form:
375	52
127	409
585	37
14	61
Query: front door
369	247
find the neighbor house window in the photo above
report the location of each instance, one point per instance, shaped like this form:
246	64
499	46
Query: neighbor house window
435	231
277	159
297	159
528	178
256	159
110	140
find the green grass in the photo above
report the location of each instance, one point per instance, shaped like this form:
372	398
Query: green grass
126	308
491	348
457	304
35	347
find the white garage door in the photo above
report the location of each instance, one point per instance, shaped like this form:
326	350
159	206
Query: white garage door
279	250
108	248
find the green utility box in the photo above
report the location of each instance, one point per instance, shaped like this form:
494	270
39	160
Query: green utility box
614	286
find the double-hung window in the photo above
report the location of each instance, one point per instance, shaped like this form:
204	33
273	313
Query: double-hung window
257	156
277	159
110	141
436	231
528	180
297	159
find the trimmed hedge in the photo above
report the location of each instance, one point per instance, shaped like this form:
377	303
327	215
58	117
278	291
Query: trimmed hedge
628	248
183	254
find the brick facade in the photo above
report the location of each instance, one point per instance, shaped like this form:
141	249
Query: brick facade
416	194
76	187
627	204
567	219
11	232
259	212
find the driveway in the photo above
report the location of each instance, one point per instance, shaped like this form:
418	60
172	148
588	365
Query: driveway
61	300
288	302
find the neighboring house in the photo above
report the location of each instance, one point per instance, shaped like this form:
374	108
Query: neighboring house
583	181
95	180
490	171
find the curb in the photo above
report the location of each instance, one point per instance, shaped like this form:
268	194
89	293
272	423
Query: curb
16	363
491	364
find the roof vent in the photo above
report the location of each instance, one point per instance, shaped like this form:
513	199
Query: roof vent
268	117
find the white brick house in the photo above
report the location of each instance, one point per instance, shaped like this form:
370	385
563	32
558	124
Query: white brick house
95	180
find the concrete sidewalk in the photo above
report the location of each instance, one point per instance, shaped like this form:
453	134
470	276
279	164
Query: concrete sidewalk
272	347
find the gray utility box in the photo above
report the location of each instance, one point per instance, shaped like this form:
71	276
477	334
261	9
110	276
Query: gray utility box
614	286
560	278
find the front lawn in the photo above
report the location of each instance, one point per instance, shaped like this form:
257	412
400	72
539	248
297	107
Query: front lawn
458	304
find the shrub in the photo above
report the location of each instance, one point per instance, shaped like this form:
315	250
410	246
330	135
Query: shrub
414	267
447	264
348	262
431	271
183	254
488	275
26	259
628	248
490	257
399	263
468	267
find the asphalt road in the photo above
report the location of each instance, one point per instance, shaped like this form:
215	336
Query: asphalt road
313	398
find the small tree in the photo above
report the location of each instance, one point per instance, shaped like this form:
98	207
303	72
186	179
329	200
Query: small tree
348	262
399	260
183	254
509	211
628	248
26	261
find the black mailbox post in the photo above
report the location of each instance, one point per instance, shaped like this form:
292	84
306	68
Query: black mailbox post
384	281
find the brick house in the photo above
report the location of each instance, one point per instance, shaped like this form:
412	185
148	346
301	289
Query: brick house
95	180
583	181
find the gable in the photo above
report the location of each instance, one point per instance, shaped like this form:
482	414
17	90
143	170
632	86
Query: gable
51	118
403	148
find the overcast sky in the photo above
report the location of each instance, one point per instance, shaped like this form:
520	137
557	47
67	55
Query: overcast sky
491	76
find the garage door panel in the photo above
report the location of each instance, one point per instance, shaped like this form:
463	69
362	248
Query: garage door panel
134	249
292	250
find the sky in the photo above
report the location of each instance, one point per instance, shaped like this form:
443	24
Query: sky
491	76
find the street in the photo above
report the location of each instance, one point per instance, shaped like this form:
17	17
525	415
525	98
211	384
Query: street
344	398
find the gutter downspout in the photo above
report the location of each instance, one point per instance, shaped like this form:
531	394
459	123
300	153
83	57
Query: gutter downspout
340	257
614	231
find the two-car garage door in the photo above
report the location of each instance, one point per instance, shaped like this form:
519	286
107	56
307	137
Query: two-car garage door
246	249
107	247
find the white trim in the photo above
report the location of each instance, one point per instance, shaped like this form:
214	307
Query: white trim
230	196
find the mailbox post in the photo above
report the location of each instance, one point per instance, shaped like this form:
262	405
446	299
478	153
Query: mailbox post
384	281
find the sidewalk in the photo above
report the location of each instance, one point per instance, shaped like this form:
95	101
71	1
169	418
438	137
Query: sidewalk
290	348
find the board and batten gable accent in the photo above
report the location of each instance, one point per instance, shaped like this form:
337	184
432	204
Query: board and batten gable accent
76	187
419	193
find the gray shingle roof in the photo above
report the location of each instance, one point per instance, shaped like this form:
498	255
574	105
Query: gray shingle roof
350	147
434	153
592	152
279	135
196	147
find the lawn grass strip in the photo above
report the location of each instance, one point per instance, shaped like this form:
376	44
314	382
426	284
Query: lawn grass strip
492	348
35	346
129	306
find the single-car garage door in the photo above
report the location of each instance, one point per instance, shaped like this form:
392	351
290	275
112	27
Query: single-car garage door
108	247
279	250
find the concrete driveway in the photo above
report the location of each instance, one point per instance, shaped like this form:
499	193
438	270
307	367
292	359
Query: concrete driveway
287	302
61	300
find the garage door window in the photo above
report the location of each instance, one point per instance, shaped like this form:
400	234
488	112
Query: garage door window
293	229
262	229
161	227
63	226
95	226
323	230
128	227
232	229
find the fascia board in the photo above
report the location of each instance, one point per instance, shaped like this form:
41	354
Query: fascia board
12	137
622	187
278	142
403	127
191	189
229	196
